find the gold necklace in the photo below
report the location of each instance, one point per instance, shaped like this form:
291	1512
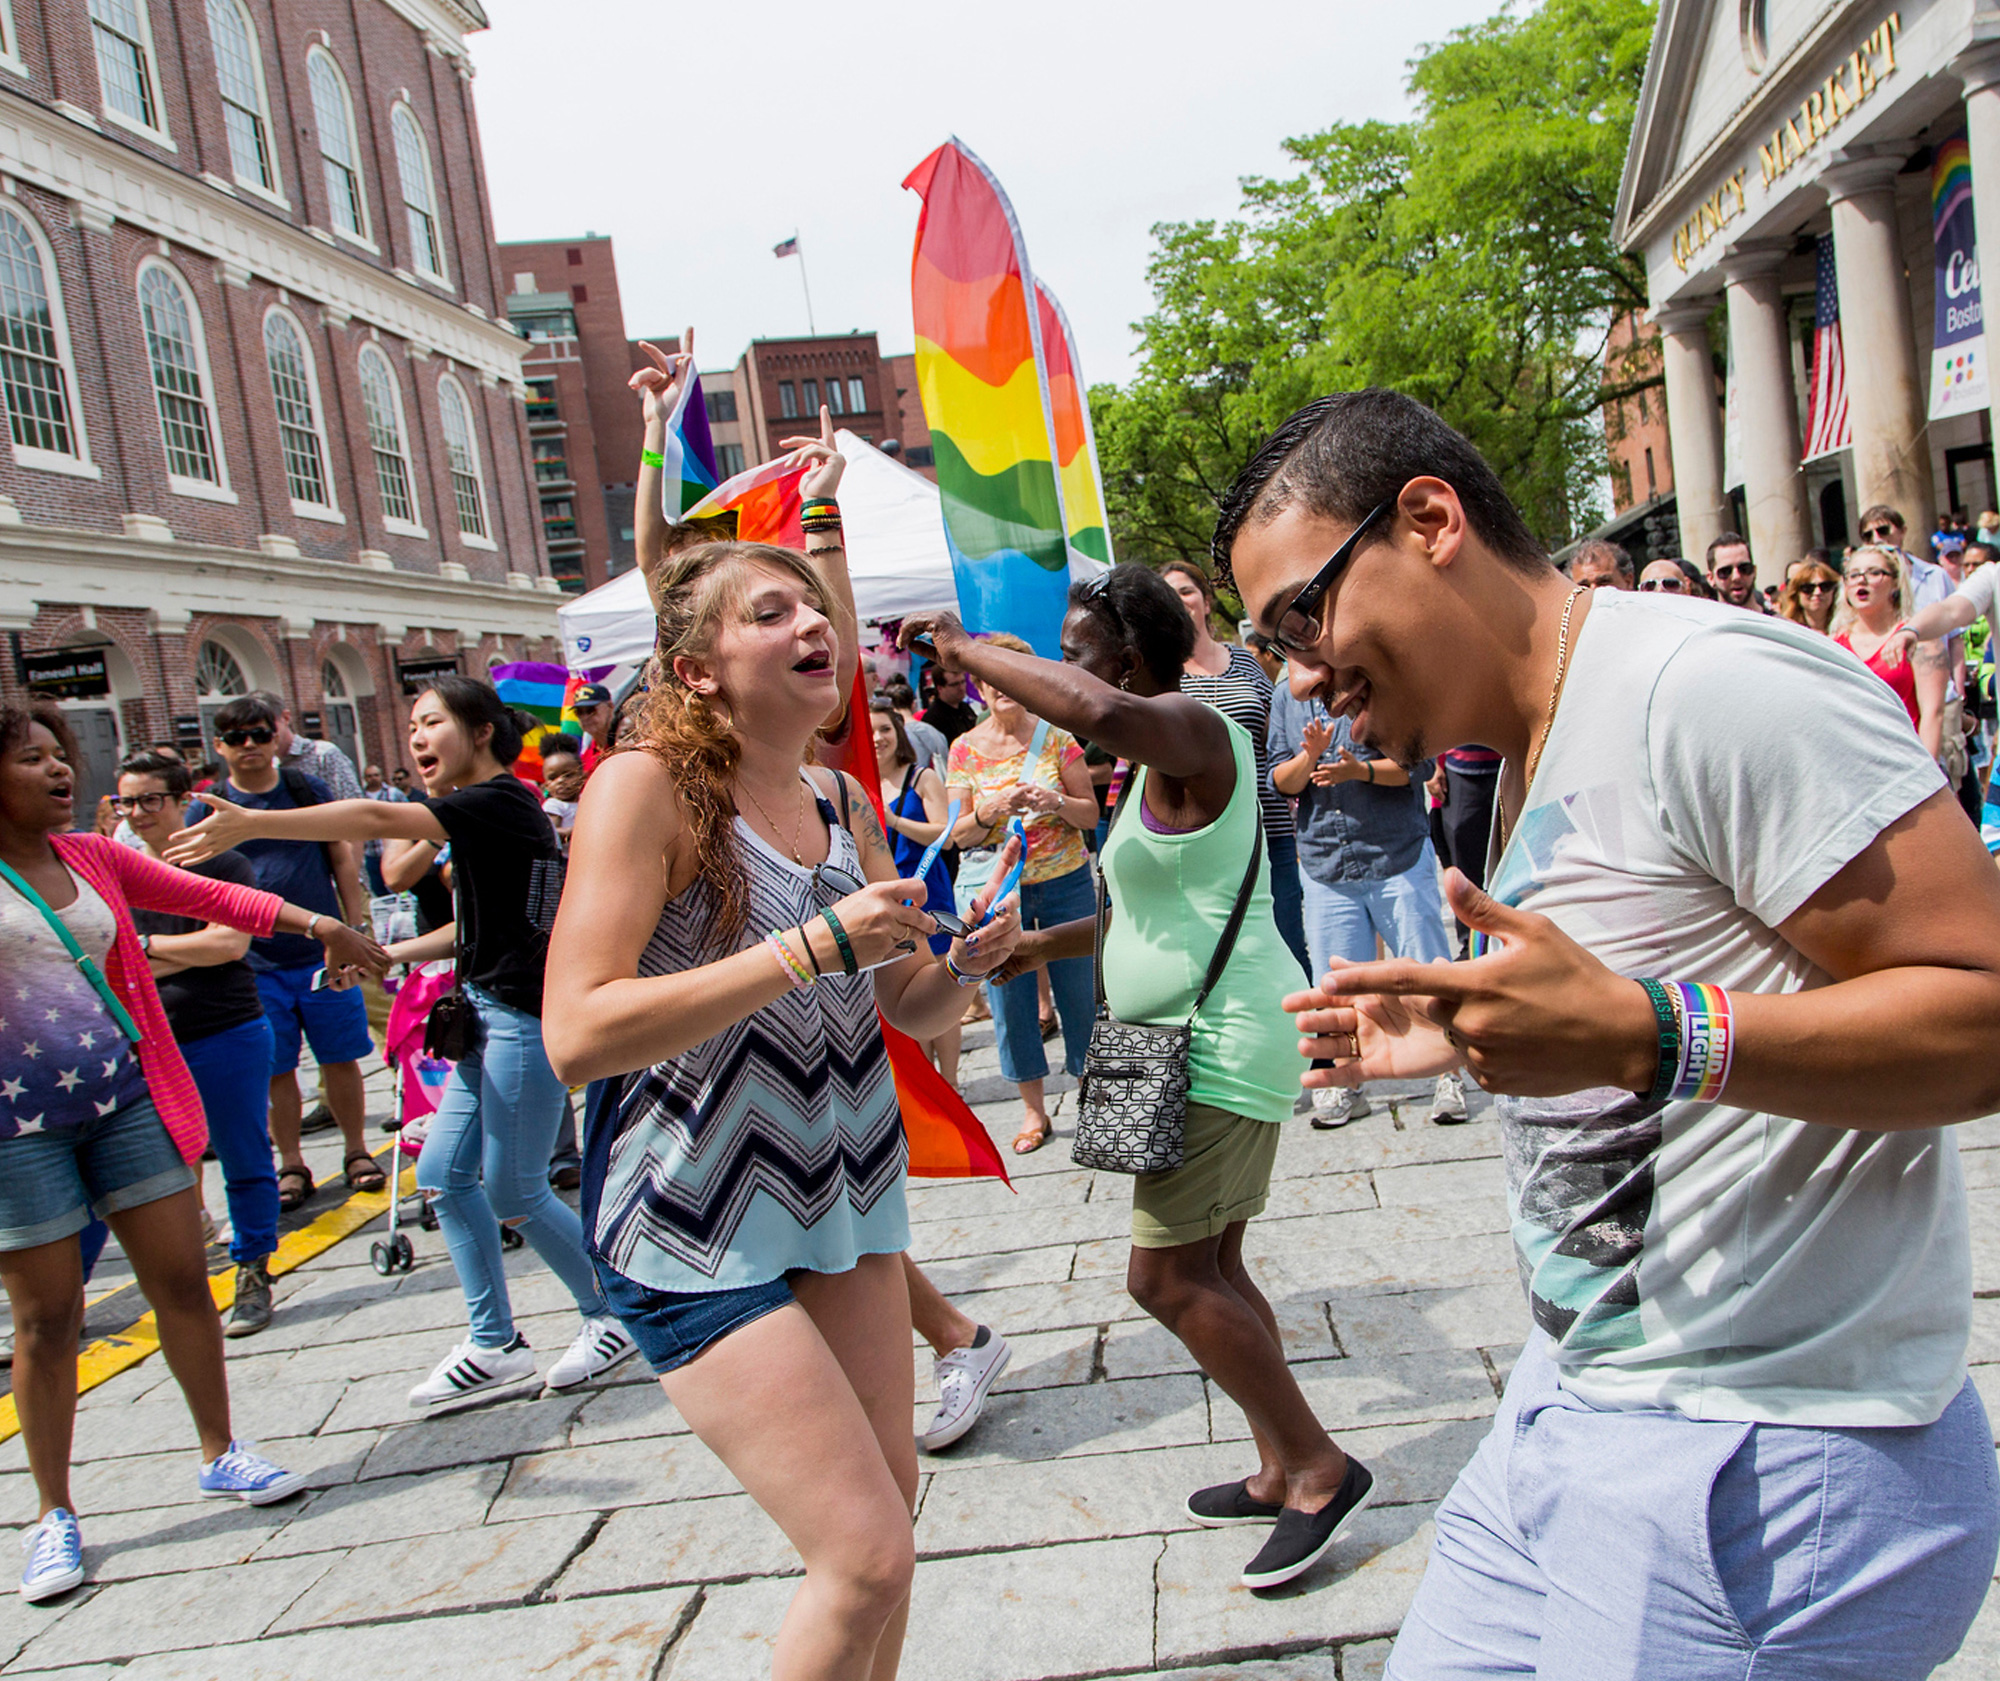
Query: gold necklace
1549	718
798	828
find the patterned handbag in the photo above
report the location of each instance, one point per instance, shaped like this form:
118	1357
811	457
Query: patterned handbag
1132	1102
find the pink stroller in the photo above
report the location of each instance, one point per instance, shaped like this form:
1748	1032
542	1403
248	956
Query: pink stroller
420	1083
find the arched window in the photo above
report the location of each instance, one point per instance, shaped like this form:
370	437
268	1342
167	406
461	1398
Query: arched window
339	152
217	675
296	393
36	373
462	451
123	37
413	169
239	74
383	405
181	385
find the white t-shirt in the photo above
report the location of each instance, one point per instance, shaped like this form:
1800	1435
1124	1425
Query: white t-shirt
1708	771
1978	589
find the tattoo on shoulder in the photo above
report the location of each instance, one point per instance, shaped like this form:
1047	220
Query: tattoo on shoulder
867	826
1930	655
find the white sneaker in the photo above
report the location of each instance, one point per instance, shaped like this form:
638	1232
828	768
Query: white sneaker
963	1378
1335	1106
600	1345
469	1371
1448	1103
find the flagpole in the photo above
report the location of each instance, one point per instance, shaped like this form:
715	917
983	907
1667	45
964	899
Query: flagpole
805	284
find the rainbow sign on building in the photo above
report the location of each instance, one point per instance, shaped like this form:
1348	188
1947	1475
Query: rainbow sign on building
979	373
1084	527
1958	339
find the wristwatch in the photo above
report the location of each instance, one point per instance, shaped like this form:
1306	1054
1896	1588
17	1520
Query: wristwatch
146	944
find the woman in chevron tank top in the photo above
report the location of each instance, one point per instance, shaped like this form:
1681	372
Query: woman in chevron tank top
731	924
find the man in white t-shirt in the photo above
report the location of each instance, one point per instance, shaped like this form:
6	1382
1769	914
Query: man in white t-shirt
1741	1439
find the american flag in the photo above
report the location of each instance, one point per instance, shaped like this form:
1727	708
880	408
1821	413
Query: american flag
1826	409
786	247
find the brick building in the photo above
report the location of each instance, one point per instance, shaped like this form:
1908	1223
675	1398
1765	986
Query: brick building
913	431
266	429
585	427
781	383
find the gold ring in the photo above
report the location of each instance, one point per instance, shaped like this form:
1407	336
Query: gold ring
1354	1039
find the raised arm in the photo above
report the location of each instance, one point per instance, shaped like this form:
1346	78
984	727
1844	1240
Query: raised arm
658	386
828	550
338	820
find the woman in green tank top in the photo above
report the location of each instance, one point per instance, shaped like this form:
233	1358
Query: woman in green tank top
1173	865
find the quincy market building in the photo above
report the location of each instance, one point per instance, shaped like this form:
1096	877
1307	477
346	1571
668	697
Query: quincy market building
1776	139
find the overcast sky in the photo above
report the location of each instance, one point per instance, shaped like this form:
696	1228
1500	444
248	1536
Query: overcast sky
697	137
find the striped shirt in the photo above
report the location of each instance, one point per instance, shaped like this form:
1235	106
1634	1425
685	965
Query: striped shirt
1243	692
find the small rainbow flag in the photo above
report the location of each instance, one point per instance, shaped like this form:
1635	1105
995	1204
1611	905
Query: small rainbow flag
542	691
690	471
765	500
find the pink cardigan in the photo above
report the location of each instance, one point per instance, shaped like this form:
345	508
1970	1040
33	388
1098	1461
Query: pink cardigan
124	877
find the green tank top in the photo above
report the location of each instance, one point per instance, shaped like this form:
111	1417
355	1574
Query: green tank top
1171	897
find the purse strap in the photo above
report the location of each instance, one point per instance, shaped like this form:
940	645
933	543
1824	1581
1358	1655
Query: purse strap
77	955
1230	929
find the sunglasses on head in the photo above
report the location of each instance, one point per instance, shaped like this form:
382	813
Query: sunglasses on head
1673	586
262	736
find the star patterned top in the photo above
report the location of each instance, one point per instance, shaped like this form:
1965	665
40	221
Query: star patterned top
63	1060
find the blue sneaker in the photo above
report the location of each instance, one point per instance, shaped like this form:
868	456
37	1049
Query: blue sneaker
55	1557
244	1474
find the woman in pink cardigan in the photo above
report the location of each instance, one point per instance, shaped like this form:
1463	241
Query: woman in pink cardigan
98	1112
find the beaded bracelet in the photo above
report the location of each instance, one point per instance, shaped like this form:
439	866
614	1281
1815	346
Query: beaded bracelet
847	964
651	458
1666	1014
795	971
1708	1034
959	975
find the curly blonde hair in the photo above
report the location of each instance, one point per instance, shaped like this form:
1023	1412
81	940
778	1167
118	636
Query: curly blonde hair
694	591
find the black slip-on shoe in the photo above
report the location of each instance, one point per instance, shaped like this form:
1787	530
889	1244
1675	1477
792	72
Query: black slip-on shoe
1302	1539
1228	1503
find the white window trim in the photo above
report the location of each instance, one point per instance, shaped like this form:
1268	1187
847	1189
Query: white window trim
364	239
220	490
78	465
156	133
358	243
10	53
442	275
330	510
401	527
470	539
275	193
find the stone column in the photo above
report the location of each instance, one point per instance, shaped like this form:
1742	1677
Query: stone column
1979	70
1885	392
1694	422
1774	488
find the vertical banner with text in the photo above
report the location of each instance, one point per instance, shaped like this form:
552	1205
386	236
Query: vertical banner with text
1958	347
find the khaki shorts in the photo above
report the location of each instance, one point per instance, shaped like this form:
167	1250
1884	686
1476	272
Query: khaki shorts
1225	1178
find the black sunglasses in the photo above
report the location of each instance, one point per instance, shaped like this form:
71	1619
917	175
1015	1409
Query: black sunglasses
249	738
1298	625
1878	533
835	883
1737	569
1818	587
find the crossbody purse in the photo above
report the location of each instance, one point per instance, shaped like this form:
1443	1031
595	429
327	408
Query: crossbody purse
1132	1105
77	955
452	1029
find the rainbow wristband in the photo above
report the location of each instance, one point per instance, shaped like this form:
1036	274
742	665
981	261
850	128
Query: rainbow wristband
1708	1041
959	975
795	971
651	458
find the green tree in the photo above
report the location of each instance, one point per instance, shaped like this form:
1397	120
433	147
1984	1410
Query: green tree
1464	257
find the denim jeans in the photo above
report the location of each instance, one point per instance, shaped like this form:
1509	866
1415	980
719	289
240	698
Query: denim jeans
1017	1027
486	1159
231	1071
1288	896
1342	918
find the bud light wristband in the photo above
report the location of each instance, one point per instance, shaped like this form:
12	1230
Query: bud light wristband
1708	1042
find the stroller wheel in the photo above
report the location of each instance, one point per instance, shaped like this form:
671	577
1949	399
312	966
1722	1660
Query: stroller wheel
400	1252
382	1257
511	1239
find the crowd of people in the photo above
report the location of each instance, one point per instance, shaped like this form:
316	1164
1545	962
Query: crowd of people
1718	913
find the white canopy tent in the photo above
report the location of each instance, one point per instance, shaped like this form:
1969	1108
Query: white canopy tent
896	554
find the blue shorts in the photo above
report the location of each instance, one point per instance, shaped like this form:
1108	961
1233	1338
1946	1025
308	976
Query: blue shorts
671	1329
335	1024
1650	1546
51	1182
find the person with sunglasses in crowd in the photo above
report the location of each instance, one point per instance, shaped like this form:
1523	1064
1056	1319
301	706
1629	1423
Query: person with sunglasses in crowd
100	1115
1674	576
1811	592
1732	574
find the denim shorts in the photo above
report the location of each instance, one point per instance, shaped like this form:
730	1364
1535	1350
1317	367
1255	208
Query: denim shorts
672	1328
51	1182
334	1023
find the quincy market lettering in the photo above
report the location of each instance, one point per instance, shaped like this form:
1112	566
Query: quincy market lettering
1828	105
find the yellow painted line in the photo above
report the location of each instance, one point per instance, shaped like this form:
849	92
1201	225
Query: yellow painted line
108	1356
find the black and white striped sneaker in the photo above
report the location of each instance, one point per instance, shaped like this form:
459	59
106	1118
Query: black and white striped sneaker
469	1372
600	1345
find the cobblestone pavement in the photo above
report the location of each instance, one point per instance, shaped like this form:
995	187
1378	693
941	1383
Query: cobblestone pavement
591	1535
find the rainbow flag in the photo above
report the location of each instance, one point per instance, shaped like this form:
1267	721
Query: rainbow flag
541	691
1084	527
690	472
979	373
765	500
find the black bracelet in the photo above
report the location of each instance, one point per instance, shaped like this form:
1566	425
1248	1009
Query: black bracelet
1669	1023
812	956
847	964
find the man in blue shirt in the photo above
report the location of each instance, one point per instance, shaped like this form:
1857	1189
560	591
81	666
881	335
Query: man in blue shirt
1366	865
333	1021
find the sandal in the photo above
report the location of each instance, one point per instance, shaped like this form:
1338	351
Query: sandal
295	1187
363	1172
1030	1138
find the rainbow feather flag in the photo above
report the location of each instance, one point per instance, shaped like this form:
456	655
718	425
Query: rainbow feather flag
690	471
765	500
1084	527
979	373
